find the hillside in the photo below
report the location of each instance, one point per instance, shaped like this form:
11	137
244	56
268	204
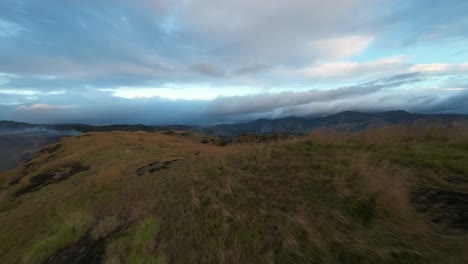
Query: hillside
344	121
19	141
394	195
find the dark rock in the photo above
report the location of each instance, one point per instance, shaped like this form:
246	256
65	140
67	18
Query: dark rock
85	251
154	167
41	180
446	208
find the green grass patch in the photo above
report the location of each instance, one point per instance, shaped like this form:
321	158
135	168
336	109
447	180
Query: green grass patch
137	247
66	233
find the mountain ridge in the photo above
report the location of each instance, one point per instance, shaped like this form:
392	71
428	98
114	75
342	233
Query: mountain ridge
26	139
344	121
347	120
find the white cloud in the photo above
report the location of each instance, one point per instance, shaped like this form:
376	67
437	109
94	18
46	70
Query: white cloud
450	88
247	32
400	64
341	47
43	108
347	69
440	68
8	29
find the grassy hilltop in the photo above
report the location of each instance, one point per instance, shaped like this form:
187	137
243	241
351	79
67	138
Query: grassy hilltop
389	195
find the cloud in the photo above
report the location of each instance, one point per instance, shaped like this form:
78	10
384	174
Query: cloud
293	57
252	69
43	108
452	89
341	47
459	53
450	101
98	107
347	69
441	68
296	31
403	76
265	103
207	69
93	43
425	21
8	29
101	107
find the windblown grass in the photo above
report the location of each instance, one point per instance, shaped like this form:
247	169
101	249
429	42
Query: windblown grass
329	198
68	232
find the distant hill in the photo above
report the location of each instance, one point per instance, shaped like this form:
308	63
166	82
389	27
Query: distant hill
30	138
20	141
345	121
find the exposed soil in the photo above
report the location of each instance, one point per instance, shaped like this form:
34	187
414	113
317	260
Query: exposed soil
40	181
456	179
154	167
85	251
447	209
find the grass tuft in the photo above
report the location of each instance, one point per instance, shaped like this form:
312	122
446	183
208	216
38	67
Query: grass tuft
135	248
74	227
105	227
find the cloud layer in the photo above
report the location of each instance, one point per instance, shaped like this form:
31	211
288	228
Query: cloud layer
69	61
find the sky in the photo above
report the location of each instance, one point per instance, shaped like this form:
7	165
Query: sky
213	61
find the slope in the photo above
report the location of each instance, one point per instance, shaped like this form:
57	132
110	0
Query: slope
382	196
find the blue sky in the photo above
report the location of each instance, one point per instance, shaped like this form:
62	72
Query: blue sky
212	61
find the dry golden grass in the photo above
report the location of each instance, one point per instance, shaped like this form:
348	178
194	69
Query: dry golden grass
396	133
331	198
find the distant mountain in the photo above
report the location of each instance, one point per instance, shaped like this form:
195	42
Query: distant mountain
345	121
11	127
18	141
